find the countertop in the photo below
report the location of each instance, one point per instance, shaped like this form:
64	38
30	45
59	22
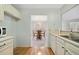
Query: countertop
66	39
5	38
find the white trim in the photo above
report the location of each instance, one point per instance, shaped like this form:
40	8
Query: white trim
24	45
46	44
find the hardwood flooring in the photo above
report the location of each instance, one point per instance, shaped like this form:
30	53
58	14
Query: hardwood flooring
33	51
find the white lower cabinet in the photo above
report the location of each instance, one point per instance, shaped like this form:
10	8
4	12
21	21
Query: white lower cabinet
68	52
71	49
56	45
6	46
53	44
62	47
7	51
59	49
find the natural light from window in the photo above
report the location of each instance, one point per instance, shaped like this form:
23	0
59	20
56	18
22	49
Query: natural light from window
39	17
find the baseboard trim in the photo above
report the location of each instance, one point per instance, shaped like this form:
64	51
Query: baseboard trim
23	46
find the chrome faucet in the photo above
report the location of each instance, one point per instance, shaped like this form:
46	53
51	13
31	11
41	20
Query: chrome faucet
70	35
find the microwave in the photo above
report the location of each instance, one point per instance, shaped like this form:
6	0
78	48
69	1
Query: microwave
2	31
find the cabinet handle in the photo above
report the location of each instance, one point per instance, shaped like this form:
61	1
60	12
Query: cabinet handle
62	47
3	45
66	50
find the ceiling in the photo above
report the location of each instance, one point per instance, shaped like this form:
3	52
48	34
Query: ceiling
20	6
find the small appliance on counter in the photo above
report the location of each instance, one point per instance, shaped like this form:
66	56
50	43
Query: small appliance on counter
2	31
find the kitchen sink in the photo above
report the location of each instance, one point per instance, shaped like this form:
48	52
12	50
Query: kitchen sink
75	39
71	38
74	36
66	36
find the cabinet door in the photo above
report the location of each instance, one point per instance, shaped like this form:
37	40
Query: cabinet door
72	49
6	49
9	9
53	43
1	13
69	53
72	14
59	49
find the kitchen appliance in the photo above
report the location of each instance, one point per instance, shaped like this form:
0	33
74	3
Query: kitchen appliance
2	31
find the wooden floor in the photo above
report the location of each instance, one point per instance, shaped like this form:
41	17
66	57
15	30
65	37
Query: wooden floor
33	51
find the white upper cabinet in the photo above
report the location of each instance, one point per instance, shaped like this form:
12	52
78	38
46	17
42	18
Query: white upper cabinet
71	14
9	9
12	11
1	13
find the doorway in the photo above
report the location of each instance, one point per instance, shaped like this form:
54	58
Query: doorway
39	31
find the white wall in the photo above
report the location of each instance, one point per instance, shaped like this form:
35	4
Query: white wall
24	25
23	30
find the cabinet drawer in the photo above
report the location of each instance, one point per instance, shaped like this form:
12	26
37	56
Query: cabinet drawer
59	49
7	51
5	44
60	40
6	47
72	48
68	52
9	41
2	44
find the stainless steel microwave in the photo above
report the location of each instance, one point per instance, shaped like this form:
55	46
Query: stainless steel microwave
2	31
